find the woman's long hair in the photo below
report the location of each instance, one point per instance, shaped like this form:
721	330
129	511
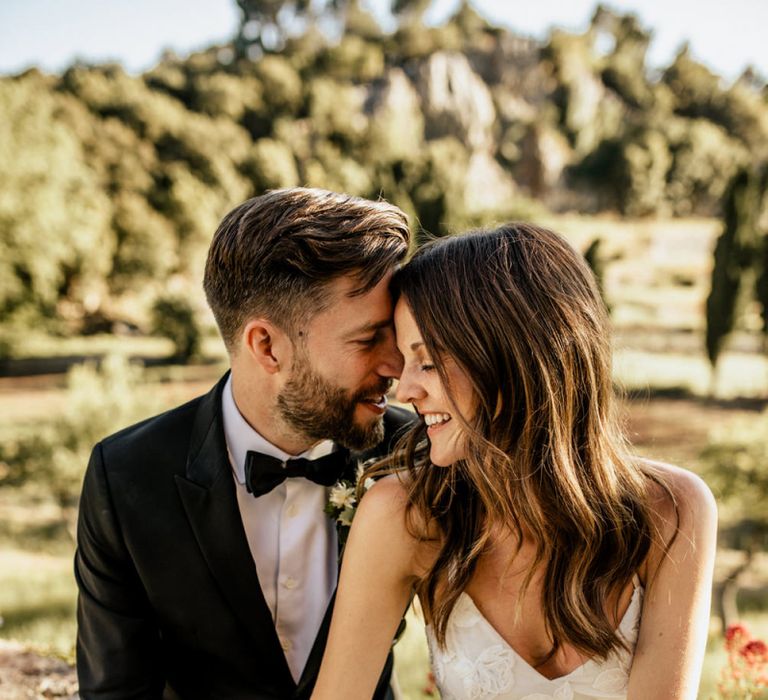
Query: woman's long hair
518	309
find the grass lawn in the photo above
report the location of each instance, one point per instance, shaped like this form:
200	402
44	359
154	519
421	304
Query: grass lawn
37	601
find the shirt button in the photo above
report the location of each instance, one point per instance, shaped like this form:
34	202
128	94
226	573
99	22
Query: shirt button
290	582
293	510
285	644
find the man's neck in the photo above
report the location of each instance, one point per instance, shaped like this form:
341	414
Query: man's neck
258	407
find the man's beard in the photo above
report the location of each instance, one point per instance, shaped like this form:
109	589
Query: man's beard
320	410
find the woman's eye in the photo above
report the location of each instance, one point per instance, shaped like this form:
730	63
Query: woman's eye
427	368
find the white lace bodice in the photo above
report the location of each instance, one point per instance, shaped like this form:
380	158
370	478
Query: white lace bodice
478	664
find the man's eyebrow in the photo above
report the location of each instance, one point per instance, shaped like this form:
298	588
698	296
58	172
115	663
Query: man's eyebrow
369	327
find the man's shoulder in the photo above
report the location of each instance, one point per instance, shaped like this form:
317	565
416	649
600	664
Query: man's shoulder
164	431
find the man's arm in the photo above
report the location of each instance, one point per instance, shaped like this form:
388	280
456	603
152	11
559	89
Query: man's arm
118	653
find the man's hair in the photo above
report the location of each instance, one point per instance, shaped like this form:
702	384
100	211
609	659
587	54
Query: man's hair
274	255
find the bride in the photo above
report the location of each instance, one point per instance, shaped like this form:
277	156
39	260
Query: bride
548	561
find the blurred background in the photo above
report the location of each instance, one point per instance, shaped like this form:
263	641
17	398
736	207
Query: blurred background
128	129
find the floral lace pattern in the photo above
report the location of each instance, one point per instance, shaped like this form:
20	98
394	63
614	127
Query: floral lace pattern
477	663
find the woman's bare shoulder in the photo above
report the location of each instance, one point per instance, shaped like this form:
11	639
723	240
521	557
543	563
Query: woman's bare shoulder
683	511
386	509
679	491
386	497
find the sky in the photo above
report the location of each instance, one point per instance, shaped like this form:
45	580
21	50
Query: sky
51	34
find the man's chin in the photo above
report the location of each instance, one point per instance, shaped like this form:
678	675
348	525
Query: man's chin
366	431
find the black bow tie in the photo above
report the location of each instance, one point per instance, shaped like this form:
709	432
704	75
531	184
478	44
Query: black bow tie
263	473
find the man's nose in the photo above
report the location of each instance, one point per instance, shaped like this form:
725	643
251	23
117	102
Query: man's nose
392	360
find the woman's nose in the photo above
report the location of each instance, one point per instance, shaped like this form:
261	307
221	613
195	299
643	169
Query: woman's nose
408	389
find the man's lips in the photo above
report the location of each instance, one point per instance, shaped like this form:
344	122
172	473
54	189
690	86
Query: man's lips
377	404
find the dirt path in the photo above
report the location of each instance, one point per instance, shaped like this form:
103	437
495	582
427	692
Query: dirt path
24	674
677	429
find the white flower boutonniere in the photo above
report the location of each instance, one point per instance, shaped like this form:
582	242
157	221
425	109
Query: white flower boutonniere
342	501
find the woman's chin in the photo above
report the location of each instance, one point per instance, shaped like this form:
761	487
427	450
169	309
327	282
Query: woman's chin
441	459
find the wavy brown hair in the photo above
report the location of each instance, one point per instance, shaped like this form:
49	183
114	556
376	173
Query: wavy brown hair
518	309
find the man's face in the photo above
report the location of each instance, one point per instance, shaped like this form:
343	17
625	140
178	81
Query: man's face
344	362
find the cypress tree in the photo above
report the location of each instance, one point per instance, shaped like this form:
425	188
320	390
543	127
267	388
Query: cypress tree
737	257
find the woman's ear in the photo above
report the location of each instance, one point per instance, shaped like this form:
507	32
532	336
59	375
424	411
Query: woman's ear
267	344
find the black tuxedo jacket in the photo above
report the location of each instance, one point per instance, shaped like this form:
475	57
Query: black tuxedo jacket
169	601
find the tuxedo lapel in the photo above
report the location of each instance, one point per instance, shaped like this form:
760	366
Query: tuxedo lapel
208	495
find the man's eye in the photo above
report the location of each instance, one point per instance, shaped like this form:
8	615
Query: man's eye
367	342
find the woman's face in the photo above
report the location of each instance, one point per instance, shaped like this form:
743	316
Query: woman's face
420	385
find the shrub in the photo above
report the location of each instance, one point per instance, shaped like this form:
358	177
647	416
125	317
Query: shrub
100	400
174	318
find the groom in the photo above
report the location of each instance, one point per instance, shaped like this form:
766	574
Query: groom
206	566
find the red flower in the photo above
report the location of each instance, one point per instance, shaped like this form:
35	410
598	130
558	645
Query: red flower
755	650
736	635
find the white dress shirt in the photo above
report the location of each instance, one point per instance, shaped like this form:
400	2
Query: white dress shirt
292	541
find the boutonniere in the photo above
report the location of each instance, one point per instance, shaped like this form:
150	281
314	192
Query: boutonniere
342	500
341	507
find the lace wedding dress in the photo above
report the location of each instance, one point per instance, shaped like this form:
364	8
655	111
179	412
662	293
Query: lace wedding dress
477	664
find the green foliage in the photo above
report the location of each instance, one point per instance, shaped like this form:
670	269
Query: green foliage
596	261
704	161
738	109
121	180
629	173
336	111
624	68
354	59
173	317
735	469
100	400
396	125
644	165
578	93
281	83
437	190
227	96
739	256
55	239
271	165
332	169
146	242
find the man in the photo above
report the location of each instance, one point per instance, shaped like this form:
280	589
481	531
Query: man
206	564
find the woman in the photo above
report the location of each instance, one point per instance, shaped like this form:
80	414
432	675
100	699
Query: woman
549	563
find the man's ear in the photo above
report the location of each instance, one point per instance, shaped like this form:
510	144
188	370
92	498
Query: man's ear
268	344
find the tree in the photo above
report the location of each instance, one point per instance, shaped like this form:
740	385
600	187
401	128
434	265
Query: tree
55	239
741	257
265	25
174	318
624	68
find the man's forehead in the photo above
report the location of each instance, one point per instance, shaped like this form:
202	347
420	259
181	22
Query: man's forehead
352	313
